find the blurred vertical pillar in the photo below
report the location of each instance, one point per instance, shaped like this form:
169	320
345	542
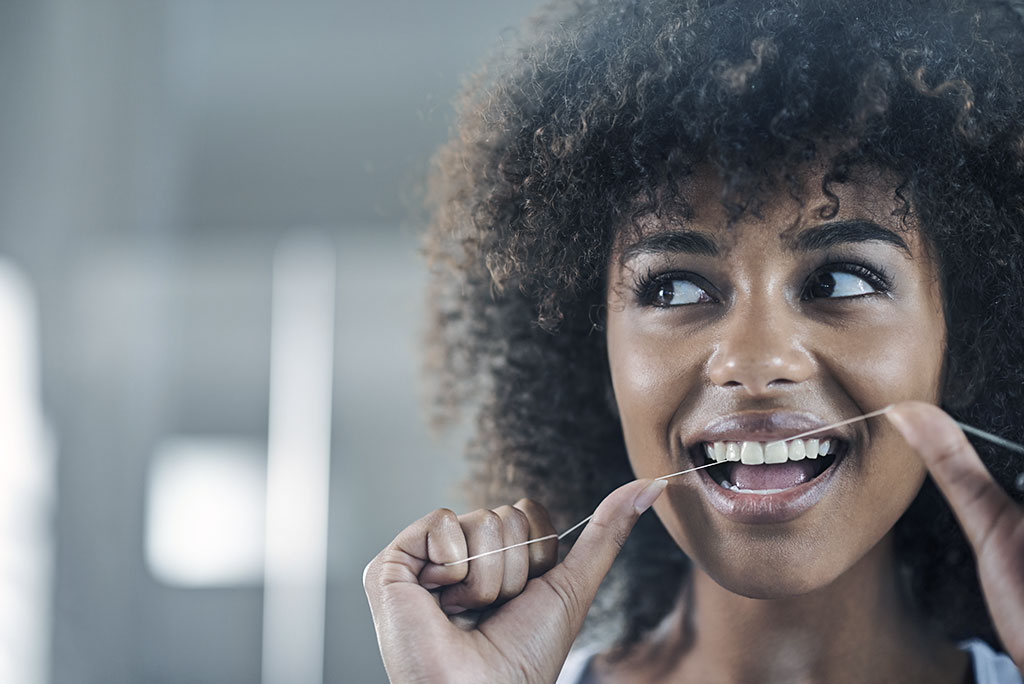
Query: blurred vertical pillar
26	491
85	155
298	460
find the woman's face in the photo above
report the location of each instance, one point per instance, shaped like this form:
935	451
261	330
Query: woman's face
729	338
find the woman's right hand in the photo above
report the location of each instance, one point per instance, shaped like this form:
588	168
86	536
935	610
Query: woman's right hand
507	617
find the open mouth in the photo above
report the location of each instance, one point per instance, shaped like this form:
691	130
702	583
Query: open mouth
768	467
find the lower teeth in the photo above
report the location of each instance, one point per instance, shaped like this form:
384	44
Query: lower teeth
754	491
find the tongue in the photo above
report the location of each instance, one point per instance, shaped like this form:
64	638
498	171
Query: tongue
774	476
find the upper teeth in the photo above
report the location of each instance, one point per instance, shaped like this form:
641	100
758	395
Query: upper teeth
756	453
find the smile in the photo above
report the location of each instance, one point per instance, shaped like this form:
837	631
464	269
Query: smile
762	476
763	468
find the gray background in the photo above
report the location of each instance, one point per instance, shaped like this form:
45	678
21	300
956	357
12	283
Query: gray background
153	155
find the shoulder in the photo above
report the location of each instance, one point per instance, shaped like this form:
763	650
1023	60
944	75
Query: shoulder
991	667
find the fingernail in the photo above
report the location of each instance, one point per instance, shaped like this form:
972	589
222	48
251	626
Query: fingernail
430	586
453	609
647	496
898	421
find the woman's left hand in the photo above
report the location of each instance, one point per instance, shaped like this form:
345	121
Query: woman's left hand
992	521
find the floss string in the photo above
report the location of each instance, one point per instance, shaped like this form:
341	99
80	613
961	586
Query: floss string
1012	446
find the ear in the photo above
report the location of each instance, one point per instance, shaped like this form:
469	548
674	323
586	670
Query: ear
597	314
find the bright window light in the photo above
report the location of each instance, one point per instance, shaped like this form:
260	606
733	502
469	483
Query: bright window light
26	489
205	511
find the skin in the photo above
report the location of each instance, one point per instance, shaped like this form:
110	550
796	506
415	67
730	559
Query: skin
806	593
811	599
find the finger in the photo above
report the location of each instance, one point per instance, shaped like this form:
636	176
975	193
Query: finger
445	543
393	575
434	539
980	504
515	529
543	555
480	588
575	581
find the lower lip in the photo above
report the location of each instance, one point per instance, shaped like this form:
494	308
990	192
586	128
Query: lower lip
768	508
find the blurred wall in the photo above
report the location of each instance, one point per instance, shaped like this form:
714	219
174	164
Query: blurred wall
154	156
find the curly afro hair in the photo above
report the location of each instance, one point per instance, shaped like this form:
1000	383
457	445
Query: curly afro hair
596	117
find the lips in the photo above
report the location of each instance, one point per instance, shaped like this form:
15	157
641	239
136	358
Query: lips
746	486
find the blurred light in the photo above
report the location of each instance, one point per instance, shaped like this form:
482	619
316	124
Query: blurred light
26	490
204	513
298	460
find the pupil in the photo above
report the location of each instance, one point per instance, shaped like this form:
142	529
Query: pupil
665	294
824	286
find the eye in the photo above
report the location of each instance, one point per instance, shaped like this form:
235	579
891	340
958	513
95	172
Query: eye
851	280
677	292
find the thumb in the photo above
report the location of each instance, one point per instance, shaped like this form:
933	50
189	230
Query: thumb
577	578
978	502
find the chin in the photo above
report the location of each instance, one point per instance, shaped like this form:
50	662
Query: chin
766	582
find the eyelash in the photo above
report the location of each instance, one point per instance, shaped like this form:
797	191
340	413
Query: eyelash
875	276
646	285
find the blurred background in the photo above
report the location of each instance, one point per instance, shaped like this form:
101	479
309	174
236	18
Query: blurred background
210	302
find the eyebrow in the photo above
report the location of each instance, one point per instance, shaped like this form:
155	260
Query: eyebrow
819	237
839	232
676	241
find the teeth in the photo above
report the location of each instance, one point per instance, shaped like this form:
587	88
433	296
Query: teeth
754	491
797	450
719	451
812	448
732	451
776	452
752	453
756	453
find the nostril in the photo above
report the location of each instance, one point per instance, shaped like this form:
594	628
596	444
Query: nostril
760	376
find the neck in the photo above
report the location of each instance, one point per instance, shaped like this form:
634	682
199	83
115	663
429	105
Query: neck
855	629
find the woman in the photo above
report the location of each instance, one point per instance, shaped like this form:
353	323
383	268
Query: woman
672	233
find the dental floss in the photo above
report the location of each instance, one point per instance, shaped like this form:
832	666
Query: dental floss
581	523
1012	446
995	439
833	425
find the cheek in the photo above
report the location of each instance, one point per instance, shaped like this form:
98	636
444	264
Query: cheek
886	363
650	375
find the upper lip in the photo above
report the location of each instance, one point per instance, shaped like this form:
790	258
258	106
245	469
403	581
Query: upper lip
763	426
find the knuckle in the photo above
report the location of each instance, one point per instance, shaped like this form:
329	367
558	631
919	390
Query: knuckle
565	592
489	522
505	512
526	504
490	517
537	516
443	517
1000	518
617	534
949	445
517	523
482	591
532	509
481	517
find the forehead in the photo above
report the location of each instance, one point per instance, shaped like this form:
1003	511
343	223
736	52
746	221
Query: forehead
700	218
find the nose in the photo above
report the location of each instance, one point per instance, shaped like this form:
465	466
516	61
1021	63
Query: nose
761	348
